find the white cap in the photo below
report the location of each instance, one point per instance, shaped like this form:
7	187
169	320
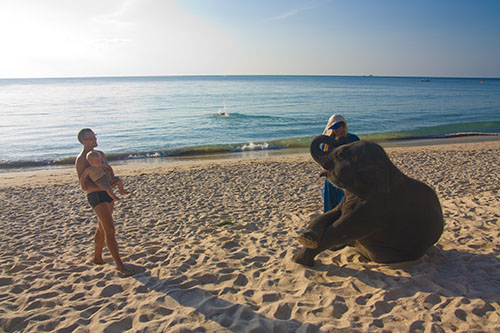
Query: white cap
336	118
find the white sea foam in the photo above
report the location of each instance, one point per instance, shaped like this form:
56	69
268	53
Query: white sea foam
223	112
252	146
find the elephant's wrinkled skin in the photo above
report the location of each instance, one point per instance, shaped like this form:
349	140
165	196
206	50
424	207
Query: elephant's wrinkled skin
386	215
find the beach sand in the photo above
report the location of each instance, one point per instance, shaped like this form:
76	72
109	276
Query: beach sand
212	243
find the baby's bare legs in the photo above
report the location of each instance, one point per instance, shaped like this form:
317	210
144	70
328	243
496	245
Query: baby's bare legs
121	188
118	182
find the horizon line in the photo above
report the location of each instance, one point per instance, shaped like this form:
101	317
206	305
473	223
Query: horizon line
248	75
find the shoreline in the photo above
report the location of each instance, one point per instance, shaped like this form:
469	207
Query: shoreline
455	139
410	142
66	174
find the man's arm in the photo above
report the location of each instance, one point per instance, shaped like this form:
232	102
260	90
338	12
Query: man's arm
83	179
81	164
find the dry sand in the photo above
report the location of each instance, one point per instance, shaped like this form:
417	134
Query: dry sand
197	275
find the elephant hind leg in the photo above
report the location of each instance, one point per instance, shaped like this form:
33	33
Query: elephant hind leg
340	247
386	255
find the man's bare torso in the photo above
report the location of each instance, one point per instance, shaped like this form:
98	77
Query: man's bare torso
81	164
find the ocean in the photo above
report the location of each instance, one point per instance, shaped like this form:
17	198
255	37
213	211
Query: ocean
164	117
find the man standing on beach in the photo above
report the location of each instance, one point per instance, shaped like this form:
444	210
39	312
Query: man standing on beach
101	203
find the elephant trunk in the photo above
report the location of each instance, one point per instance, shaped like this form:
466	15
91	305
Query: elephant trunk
318	152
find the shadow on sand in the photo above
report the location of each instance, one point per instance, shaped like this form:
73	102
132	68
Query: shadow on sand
448	273
234	317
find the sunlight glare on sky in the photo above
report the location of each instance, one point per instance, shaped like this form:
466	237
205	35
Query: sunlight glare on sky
62	38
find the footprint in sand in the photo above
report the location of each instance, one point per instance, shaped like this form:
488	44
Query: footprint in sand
111	290
283	312
16	267
339	309
119	326
241	280
33	305
5	281
162	311
361	300
461	314
47	295
88	312
432	300
417	326
271	297
382	308
206	278
481	311
230	245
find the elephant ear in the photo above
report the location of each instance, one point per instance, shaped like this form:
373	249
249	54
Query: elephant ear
376	176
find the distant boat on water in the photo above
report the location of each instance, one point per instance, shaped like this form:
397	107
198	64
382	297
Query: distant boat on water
425	80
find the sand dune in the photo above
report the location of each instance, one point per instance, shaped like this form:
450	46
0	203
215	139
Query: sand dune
212	244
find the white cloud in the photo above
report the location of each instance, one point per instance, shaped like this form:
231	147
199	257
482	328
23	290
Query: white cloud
296	11
286	15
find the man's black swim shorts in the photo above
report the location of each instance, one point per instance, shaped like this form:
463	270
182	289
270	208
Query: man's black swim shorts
98	197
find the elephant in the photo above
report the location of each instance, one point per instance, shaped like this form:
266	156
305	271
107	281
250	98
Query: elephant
387	216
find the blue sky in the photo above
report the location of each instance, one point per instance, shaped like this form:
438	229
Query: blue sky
64	38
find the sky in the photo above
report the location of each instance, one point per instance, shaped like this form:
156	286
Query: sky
75	38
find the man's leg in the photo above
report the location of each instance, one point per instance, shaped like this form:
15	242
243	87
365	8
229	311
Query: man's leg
98	243
104	213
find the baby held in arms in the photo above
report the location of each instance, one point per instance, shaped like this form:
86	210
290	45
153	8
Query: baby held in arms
102	175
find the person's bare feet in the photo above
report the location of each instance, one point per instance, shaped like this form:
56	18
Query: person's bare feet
123	192
98	261
125	271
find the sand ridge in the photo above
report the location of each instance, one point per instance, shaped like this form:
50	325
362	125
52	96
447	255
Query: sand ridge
212	242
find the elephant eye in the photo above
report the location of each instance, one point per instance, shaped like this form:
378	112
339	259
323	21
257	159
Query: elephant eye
340	155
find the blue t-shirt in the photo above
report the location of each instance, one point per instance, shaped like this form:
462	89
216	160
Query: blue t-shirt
331	194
